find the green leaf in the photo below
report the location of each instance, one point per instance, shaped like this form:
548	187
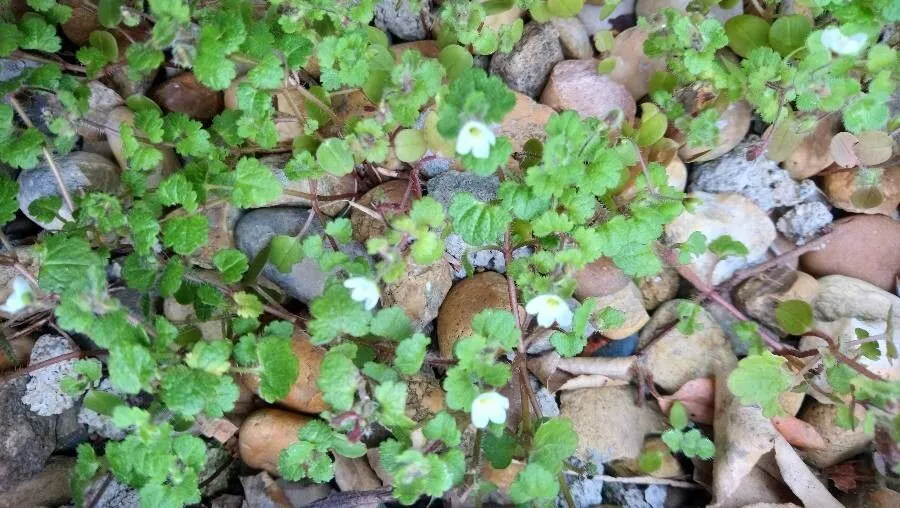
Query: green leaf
278	367
213	356
746	32
284	252
335	157
564	8
461	391
443	428
533	483
10	37
37	34
455	59
392	323
688	312
725	246
795	316
391	397
554	442
176	189
231	263
185	234
500	450
476	222
409	145
45	209
338	377
105	43
678	417
650	461
653	125
69	264
340	229
109	12
761	379
248	305
789	33
335	313
254	184
268	75
130	368
410	354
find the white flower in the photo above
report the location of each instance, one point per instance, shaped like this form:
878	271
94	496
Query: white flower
550	308
363	290
489	407
835	40
19	298
475	138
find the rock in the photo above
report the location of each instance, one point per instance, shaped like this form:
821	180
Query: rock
328	185
253	231
865	247
113	494
21	351
573	37
576	85
304	395
354	474
676	173
102	100
420	291
618	348
621	436
221	219
841	444
167	166
844	304
804	222
119	81
265	433
813	154
670	467
526	121
620	18
218	471
262	491
759	295
502	478
425	398
760	180
83	21
651	7
605	282
587	490
184	94
733	125
676	358
526	68
659	288
386	199
840	186
304	493
79	171
28	438
486	290
633	68
184	314
397	17
503	18
443	187
50	487
43	395
429	49
724	214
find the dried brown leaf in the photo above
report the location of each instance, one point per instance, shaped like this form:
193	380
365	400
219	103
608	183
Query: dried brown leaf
798	433
843	150
558	373
802	482
874	147
697	395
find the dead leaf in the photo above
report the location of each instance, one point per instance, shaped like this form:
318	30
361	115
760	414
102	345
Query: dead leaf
261	490
874	147
846	475
697	395
219	429
783	141
802	482
843	150
798	433
558	373
354	474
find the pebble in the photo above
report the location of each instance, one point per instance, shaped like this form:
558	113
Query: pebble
866	247
79	171
101	101
327	185
526	121
43	395
184	94
724	214
621	435
114	121
485	290
841	444
620	18
659	288
425	397
573	37
605	282
675	358
733	125
265	433
527	66
420	291
576	85
49	487
760	180
254	230
759	295
381	198
840	186
804	222
633	68
397	17
446	185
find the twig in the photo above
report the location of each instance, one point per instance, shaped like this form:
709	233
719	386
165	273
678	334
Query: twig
107	479
746	273
37	58
354	498
650	480
833	347
47	156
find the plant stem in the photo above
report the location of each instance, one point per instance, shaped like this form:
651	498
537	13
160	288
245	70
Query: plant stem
47	156
564	487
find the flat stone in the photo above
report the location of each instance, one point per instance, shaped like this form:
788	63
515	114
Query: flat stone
576	85
633	68
79	171
184	94
574	38
50	487
101	101
841	444
420	291
841	185
44	395
408	24
526	68
254	230
733	124
486	290
865	247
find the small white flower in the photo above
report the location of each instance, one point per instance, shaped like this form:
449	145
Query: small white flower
475	138
489	407
835	40
550	308
19	298
363	290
